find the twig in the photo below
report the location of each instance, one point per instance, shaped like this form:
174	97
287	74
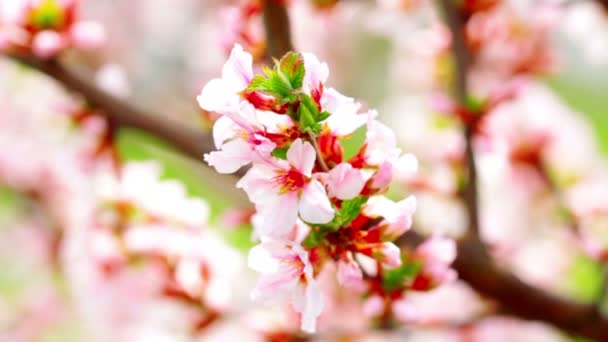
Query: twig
460	86
311	138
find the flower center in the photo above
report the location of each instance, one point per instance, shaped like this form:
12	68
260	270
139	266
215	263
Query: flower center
291	180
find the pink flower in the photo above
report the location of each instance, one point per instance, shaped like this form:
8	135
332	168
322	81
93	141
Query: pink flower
389	254
344	182
436	253
349	272
239	136
287	274
221	95
282	189
315	76
398	216
344	118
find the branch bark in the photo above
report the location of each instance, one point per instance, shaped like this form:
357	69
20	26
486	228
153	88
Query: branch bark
192	142
278	29
473	263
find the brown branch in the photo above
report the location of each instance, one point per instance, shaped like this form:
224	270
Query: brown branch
192	142
460	86
277	27
603	3
473	263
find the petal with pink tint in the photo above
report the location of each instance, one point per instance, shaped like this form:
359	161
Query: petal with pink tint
88	35
349	273
279	215
405	166
238	70
345	182
438	249
314	204
405	311
218	96
233	155
316	71
223	129
308	300
390	254
47	44
301	156
373	306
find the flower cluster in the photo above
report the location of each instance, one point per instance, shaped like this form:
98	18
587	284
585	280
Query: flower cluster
315	202
46	27
145	218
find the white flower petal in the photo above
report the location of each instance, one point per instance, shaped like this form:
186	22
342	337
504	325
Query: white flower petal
345	182
314	204
233	155
238	70
301	155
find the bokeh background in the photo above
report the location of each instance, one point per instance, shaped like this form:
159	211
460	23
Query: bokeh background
161	53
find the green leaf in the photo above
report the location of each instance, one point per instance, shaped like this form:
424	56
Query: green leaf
283	81
352	144
291	67
280	153
394	278
323	116
348	212
313	239
307	113
272	84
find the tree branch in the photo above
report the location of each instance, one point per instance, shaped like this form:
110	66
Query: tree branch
278	31
473	263
192	142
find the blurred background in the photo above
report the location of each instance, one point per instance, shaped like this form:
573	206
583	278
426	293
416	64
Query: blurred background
389	55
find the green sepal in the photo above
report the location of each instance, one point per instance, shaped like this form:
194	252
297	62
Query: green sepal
280	153
283	81
347	213
314	238
394	278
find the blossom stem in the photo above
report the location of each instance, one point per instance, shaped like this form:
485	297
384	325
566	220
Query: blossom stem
311	138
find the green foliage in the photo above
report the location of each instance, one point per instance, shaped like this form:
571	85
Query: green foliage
280	153
283	81
291	67
314	238
346	214
308	116
584	280
589	99
392	279
353	143
48	15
